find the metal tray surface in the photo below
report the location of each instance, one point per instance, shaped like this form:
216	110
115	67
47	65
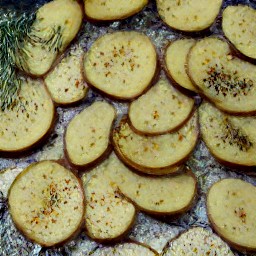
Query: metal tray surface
152	231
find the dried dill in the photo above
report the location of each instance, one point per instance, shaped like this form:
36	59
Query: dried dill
234	136
227	83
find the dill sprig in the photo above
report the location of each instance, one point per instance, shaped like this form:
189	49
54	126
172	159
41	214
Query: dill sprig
51	40
13	30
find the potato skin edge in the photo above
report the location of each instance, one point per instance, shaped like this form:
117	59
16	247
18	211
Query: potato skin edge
147	170
102	22
96	161
131	98
200	91
80	226
242	249
40	142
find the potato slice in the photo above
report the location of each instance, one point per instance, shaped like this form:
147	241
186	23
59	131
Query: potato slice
46	202
238	24
155	154
105	10
87	135
231	139
56	25
28	120
188	15
108	215
121	64
162	109
229	82
231	205
197	241
156	195
65	82
175	62
128	248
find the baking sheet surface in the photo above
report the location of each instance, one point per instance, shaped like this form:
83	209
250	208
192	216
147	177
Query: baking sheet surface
151	231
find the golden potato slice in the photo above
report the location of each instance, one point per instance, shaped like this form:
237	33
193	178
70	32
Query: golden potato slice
231	205
121	64
46	203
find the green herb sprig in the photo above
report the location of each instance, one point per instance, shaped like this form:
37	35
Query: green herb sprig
13	30
13	55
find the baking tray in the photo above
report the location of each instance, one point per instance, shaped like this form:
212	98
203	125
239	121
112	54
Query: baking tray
149	230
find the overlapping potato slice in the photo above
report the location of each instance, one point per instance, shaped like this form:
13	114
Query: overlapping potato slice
87	135
121	64
175	62
231	139
157	195
155	154
108	215
56	25
65	82
46	203
160	110
188	15
229	82
28	120
111	187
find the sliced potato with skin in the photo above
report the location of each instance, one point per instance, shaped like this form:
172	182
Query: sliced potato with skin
108	215
65	82
175	62
28	120
238	24
197	241
231	207
108	10
87	135
231	139
121	64
189	15
160	110
46	202
128	248
155	154
56	25
156	195
227	81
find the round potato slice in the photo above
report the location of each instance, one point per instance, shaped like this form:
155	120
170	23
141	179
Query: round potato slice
87	135
108	215
167	195
231	139
189	15
238	24
160	110
46	203
65	82
121	64
197	241
56	25
104	10
155	154
231	206
227	81
176	60
129	248
28	120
